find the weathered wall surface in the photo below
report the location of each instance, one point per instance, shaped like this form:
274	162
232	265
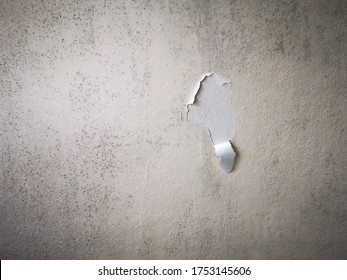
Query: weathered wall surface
99	161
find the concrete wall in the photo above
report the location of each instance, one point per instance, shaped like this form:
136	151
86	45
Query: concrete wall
99	161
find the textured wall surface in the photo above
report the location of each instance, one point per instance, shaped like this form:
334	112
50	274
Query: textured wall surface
98	159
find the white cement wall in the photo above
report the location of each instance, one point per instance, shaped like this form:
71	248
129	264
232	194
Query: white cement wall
98	159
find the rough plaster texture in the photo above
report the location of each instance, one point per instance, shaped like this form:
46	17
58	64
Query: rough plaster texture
99	161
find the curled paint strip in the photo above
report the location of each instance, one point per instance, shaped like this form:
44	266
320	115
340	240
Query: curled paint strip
227	154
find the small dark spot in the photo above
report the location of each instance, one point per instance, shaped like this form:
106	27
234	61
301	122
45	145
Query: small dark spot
279	47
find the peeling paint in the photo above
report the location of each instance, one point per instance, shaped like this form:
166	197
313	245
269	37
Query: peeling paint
211	108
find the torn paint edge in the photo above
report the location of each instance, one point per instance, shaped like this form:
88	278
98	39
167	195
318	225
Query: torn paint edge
220	80
197	87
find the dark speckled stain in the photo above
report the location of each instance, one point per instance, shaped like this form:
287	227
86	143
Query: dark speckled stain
293	22
307	48
279	47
